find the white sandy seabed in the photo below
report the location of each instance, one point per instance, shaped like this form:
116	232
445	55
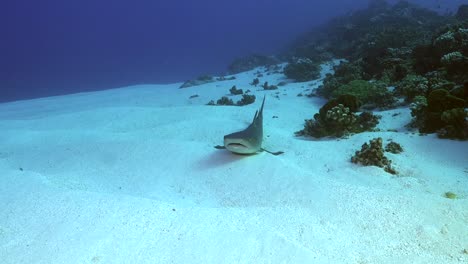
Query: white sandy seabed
130	175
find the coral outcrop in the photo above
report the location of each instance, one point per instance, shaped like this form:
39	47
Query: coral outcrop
250	62
338	121
246	99
372	154
393	147
373	94
302	70
394	52
235	91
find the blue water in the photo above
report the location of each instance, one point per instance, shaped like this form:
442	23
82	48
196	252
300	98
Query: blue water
52	47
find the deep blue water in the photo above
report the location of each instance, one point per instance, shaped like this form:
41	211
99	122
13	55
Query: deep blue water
52	47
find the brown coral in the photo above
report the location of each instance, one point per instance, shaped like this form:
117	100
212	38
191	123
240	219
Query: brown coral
372	154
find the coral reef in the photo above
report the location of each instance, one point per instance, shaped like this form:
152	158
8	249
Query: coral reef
374	94
224	101
446	53
246	99
255	82
368	34
203	79
302	70
411	86
347	100
440	112
440	100
372	154
250	62
427	63
266	86
462	13
393	147
338	121
223	78
367	122
455	124
235	91
343	74
418	109
393	54
456	64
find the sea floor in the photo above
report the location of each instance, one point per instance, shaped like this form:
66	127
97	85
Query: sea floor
130	175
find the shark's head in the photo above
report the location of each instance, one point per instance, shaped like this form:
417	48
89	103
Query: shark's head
241	143
249	140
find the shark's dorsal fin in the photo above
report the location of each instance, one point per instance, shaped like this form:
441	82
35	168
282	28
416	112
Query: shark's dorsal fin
255	116
259	113
261	108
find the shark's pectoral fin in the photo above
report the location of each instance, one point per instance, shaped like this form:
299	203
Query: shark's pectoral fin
219	147
262	149
273	153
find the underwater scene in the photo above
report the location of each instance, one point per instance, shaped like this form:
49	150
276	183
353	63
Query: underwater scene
283	131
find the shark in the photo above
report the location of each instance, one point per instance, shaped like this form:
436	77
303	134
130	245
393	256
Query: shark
249	140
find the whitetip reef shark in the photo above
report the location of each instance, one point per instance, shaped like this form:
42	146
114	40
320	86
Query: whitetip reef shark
249	140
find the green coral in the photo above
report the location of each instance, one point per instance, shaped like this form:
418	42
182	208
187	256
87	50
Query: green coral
450	195
343	74
370	93
372	154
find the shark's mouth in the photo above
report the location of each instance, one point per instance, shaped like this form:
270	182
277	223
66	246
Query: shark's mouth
239	148
237	145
